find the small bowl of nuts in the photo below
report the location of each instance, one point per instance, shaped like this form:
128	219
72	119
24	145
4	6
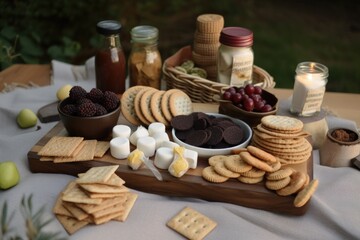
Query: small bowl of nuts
249	103
91	115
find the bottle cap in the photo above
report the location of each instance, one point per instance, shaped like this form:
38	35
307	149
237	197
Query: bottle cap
236	37
108	27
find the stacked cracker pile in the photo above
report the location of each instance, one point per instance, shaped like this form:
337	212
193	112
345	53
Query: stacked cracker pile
249	166
252	165
206	42
142	105
61	149
284	138
96	197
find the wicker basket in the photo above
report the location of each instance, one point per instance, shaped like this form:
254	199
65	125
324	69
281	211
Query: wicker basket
200	89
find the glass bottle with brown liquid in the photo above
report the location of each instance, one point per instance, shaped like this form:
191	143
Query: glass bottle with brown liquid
110	63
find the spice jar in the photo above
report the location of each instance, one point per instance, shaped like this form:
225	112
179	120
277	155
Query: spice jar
145	59
235	56
309	88
110	63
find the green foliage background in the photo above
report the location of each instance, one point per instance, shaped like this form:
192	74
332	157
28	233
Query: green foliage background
285	32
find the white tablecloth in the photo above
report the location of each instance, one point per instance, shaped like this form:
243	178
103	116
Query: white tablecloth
334	212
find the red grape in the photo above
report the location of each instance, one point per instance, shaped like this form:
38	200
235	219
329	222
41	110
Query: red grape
232	90
258	105
249	104
256	97
249	89
236	98
266	108
257	90
241	90
227	95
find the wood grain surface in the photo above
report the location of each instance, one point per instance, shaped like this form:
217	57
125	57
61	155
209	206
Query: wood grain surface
190	185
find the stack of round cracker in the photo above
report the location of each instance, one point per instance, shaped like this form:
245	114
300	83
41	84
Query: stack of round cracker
250	166
142	105
206	42
284	138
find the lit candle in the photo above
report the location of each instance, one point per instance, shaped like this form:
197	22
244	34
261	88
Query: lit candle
309	88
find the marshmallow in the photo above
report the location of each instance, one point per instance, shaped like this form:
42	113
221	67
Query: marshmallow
121	131
120	147
169	144
159	138
139	133
147	146
163	157
156	127
192	157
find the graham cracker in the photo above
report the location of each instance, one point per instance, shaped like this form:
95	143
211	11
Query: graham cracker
60	146
191	224
98	174
103	188
128	205
76	195
71	225
85	153
91	208
101	148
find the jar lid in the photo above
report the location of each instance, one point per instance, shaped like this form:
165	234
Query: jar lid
312	68
108	27
144	33
236	37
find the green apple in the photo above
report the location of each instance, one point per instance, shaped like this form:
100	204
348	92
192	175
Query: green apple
9	175
63	92
26	118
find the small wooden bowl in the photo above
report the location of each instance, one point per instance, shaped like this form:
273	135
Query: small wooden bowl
251	118
98	127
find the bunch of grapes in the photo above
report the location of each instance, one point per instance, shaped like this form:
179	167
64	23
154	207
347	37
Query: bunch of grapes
248	98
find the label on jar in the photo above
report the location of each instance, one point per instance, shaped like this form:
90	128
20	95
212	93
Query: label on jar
241	69
114	54
313	101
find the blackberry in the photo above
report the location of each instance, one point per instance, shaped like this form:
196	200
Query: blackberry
95	95
76	93
110	101
86	109
69	109
100	110
83	100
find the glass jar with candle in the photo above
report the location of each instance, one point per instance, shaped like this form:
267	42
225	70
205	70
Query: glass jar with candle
235	56
145	59
110	63
309	88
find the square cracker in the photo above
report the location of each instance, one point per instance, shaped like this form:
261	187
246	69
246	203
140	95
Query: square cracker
70	224
60	209
98	174
73	193
101	148
128	205
60	146
105	195
191	224
91	208
75	211
85	153
103	188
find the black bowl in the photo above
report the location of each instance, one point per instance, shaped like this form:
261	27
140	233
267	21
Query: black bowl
98	127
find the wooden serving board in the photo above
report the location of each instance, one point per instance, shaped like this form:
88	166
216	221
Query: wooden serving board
190	185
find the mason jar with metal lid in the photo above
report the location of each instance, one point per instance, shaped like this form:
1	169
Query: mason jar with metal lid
235	56
145	59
